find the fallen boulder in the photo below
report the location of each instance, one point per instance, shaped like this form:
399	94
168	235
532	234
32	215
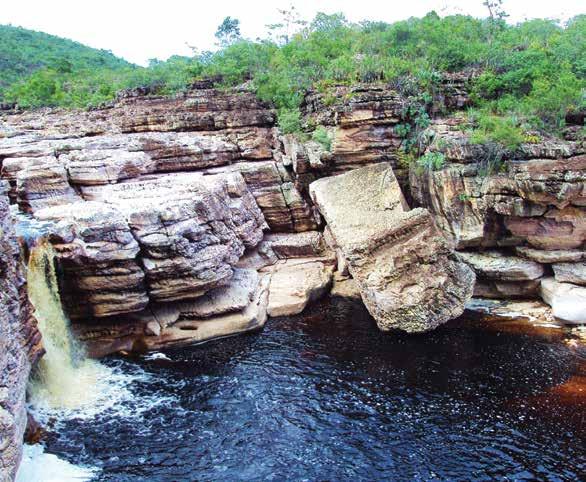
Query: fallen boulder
408	276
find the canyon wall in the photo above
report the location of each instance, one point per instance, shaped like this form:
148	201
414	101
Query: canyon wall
517	217
151	204
158	205
20	344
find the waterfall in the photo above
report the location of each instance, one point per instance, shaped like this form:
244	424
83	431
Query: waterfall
65	377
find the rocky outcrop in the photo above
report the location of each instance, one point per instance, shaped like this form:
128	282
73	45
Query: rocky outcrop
503	276
407	274
60	156
20	345
158	240
362	122
529	202
238	307
150	203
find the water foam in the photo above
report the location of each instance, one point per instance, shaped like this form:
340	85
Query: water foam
39	466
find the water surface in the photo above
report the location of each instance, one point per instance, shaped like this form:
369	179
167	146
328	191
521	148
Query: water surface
326	396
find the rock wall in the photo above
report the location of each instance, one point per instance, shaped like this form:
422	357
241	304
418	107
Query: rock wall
518	217
157	202
150	203
20	344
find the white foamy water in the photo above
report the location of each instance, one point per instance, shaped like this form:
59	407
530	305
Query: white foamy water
38	466
156	356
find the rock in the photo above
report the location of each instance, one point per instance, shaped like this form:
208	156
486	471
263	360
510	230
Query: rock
34	431
297	245
164	239
226	299
297	282
567	301
533	196
570	273
496	289
555	256
407	274
345	287
557	229
152	328
20	344
284	207
258	257
176	327
494	265
43	183
534	311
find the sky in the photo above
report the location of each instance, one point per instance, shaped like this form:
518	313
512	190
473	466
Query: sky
138	30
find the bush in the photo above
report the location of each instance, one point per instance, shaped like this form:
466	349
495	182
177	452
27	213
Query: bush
500	130
290	121
533	72
431	161
321	136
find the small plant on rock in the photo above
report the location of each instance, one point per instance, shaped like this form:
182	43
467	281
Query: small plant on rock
321	136
431	161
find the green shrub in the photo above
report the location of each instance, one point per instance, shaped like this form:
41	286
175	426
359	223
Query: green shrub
321	136
290	121
533	72
431	161
500	130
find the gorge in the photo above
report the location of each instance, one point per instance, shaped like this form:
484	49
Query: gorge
169	221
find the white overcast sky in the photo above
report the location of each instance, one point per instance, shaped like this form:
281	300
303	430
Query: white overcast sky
141	29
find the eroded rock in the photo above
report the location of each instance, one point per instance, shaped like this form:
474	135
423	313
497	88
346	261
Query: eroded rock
408	276
297	282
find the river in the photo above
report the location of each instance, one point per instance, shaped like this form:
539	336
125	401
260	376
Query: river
326	396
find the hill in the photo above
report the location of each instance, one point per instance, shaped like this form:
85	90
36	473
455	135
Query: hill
24	51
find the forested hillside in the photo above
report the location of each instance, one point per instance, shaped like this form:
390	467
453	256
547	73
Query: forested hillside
528	76
23	52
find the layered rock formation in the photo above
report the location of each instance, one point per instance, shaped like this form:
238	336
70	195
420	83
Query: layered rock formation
526	207
20	344
407	274
156	202
150	203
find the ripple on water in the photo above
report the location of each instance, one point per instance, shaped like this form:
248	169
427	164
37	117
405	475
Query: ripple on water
326	396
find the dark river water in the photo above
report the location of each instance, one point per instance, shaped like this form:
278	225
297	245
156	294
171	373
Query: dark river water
326	396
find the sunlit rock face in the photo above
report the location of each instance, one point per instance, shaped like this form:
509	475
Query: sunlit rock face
362	121
152	203
58	157
408	276
20	344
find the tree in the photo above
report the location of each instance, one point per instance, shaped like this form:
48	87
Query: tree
290	23
228	31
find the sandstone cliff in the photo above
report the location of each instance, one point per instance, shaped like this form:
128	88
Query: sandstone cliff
20	344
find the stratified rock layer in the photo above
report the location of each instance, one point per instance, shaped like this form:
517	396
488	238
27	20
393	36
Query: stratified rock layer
20	345
408	276
530	202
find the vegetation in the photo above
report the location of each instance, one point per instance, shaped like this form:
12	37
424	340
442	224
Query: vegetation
431	161
23	52
321	136
532	73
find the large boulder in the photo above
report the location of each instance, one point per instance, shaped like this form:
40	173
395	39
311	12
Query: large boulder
408	276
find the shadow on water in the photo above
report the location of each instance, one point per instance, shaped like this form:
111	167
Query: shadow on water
326	396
